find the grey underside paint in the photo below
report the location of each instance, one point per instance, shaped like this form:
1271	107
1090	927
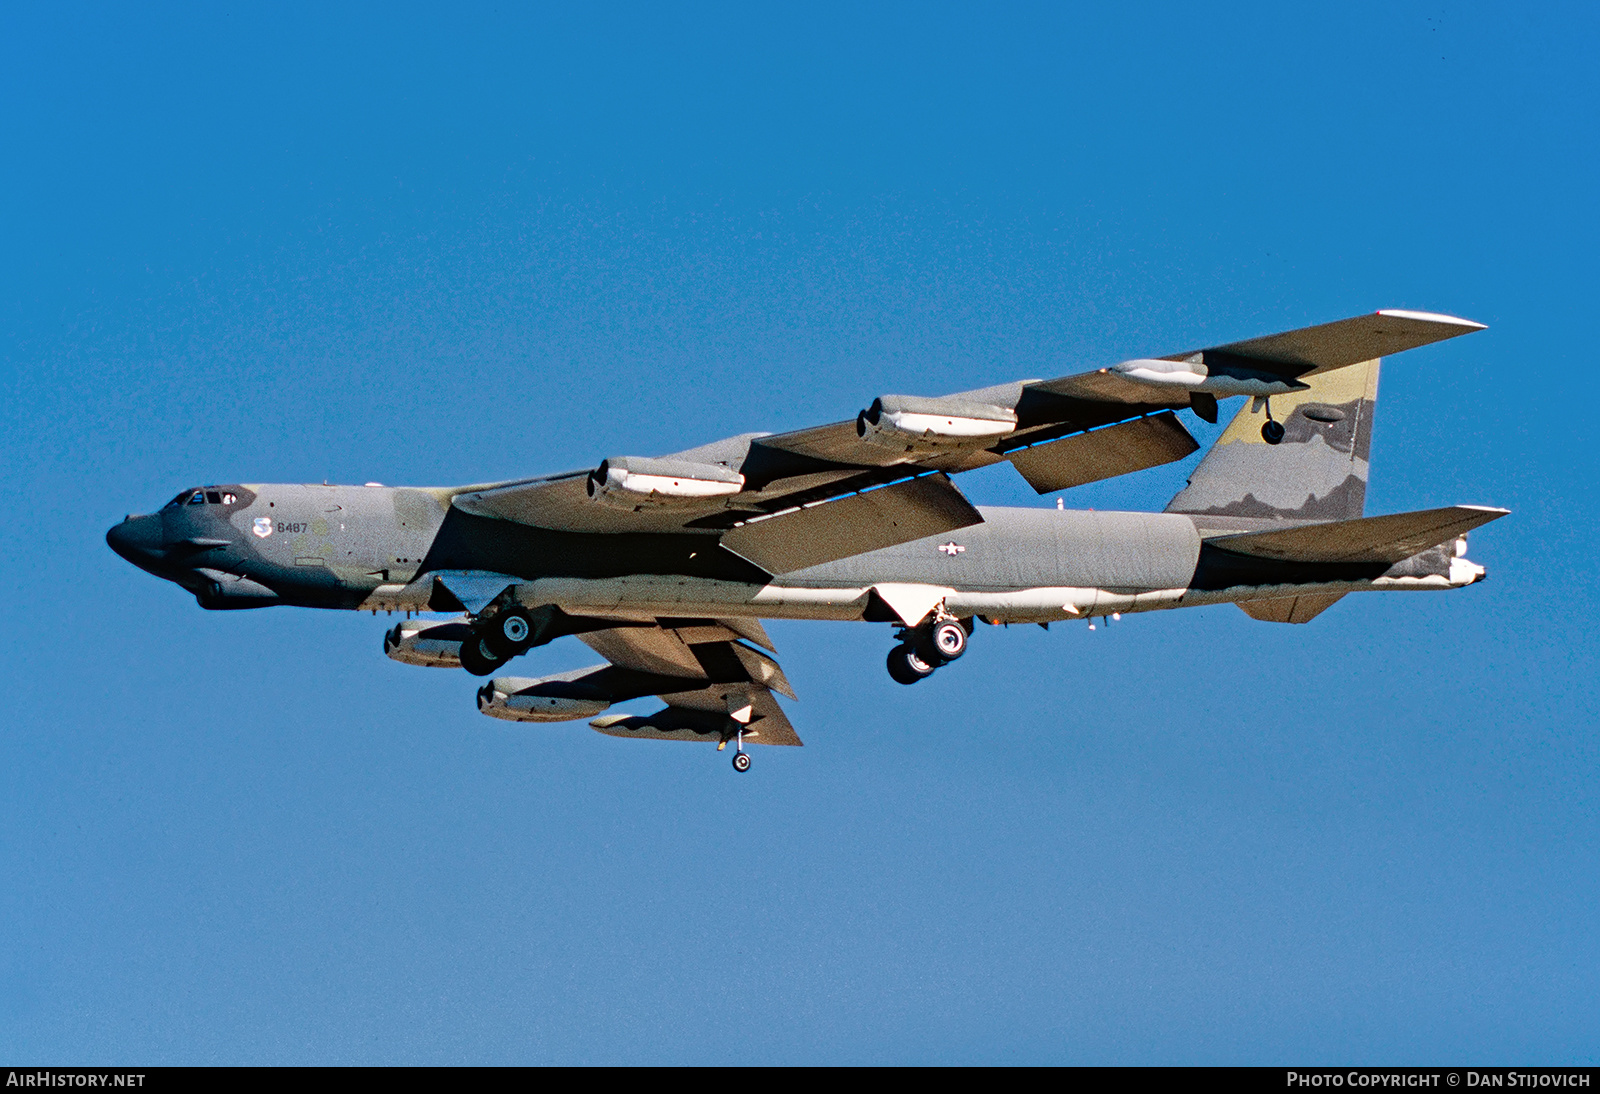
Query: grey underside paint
1116	552
1025	548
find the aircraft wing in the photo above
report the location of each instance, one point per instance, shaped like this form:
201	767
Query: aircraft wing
712	681
789	500
703	716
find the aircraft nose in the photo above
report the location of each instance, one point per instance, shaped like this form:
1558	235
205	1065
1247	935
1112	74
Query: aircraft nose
137	539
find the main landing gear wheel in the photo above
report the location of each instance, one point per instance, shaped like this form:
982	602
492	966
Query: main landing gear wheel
947	641
906	666
478	660
741	761
1272	431
508	633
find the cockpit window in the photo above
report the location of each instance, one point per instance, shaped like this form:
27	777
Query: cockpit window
204	497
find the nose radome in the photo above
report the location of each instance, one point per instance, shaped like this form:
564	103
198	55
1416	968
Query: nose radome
118	539
137	539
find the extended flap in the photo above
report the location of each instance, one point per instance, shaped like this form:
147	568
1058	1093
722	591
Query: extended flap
853	525
762	669
1104	453
725	629
475	589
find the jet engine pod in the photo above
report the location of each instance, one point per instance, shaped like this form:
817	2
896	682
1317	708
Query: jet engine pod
631	481
908	422
1219	378
517	699
432	643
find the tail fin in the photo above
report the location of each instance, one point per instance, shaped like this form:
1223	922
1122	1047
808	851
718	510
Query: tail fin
1318	471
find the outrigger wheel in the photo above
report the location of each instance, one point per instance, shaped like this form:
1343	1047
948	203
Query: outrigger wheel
741	761
1271	430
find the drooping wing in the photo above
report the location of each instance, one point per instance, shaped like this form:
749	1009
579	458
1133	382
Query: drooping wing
712	682
1291	355
1334	345
830	491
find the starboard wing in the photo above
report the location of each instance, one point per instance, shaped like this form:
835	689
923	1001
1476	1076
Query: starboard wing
762	490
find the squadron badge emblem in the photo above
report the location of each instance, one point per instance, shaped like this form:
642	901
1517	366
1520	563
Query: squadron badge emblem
262	527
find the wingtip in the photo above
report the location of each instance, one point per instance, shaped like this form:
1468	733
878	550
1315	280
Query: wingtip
1467	325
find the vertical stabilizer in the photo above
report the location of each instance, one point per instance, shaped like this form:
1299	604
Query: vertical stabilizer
1318	471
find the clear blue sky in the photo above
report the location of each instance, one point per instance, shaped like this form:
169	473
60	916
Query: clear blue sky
442	245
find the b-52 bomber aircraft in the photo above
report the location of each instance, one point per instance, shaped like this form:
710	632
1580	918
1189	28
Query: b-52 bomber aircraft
666	565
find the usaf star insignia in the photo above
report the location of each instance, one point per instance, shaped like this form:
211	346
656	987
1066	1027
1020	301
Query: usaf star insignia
951	549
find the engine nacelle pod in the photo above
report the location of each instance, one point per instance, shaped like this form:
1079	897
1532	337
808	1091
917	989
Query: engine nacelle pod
431	643
632	481
910	423
1219	380
517	699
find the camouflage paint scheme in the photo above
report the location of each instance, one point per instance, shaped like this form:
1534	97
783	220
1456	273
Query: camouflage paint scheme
1326	446
674	610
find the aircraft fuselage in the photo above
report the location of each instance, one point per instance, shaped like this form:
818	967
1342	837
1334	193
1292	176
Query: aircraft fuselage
377	548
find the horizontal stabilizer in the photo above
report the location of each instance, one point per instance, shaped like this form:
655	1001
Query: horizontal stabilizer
1104	453
853	525
1389	539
